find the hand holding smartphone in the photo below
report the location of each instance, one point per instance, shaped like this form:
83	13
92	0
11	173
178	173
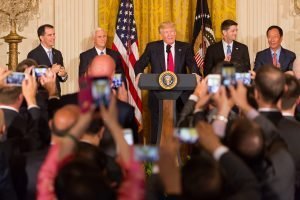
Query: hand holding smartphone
15	79
117	81
101	91
213	82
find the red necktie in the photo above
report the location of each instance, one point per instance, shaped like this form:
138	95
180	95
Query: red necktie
275	59
170	61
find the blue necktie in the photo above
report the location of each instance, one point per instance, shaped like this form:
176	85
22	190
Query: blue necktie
228	52
102	53
50	55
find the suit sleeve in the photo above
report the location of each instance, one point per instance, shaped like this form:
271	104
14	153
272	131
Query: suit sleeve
290	65
60	61
208	61
257	62
190	60
142	63
83	63
246	60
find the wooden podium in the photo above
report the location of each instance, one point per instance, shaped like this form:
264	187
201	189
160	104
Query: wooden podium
167	100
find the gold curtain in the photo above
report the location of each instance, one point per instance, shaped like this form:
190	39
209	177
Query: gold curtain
219	11
150	13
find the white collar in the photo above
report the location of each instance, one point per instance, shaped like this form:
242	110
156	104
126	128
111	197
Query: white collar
287	114
99	51
268	110
45	48
9	108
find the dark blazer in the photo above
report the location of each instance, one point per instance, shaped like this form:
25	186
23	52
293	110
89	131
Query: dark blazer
215	54
289	132
22	129
40	56
155	56
286	59
87	56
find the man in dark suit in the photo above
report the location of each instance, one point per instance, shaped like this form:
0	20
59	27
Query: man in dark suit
269	86
275	54
227	50
162	55
100	39
46	55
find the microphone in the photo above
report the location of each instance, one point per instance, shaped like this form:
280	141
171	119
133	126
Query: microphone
168	50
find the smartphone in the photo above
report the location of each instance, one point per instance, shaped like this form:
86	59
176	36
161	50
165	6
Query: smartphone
213	82
85	99
245	78
146	153
117	81
186	135
15	78
228	75
101	91
128	136
40	70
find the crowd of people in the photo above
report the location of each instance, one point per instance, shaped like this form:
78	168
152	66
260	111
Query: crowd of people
65	147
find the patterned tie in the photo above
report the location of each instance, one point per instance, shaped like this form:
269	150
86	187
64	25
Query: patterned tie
170	59
50	55
275	59
228	52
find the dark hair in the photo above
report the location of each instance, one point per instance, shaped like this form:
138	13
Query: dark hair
81	179
240	139
275	27
111	170
292	92
227	23
9	94
201	178
269	81
25	64
41	29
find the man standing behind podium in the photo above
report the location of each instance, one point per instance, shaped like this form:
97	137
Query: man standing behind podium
162	55
227	50
45	54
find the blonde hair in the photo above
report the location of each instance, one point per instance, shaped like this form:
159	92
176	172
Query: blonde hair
167	24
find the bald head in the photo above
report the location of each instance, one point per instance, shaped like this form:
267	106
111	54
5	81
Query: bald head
65	118
296	68
103	65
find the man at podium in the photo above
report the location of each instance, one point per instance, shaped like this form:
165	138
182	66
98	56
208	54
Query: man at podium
166	54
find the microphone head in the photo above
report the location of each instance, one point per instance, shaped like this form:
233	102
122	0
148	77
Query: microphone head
168	50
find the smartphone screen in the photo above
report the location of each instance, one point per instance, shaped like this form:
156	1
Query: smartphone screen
101	91
128	136
85	98
40	72
146	153
245	78
228	75
213	82
186	135
117	81
16	79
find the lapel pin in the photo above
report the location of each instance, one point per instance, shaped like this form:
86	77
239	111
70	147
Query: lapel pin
179	49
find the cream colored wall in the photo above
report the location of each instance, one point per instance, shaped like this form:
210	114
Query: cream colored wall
255	16
74	22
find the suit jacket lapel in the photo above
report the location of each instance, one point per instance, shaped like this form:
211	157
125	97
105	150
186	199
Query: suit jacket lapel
161	56
269	56
282	58
178	57
220	50
44	56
